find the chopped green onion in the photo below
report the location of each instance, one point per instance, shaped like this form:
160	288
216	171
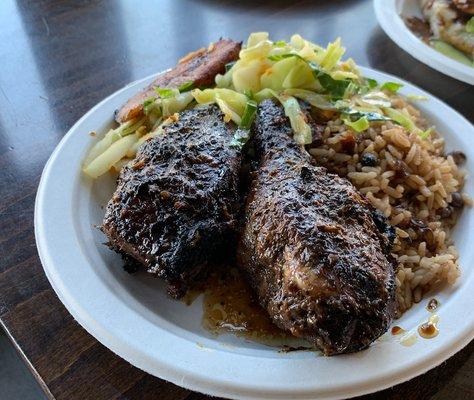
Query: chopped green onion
470	25
165	92
249	94
186	86
279	57
393	87
425	134
249	114
336	88
360	125
279	43
372	83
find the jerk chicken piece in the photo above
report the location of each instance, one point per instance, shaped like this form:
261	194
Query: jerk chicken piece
199	67
316	253
175	206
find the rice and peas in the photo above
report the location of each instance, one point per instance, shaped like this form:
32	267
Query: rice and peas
415	185
371	135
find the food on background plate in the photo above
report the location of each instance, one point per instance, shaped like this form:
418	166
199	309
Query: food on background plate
352	125
316	252
447	26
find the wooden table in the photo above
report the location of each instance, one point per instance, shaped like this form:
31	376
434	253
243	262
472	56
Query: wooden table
58	59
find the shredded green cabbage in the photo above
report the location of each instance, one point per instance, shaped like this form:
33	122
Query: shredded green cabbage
298	123
332	55
288	71
402	118
315	99
360	125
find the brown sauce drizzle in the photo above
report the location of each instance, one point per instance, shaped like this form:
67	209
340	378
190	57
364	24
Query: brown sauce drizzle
432	305
429	330
229	306
397	330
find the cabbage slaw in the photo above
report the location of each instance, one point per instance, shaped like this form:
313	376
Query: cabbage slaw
286	71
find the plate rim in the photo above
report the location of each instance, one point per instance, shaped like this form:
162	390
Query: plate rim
392	24
198	382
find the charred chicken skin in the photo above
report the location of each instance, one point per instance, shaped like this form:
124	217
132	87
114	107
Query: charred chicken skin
176	205
315	251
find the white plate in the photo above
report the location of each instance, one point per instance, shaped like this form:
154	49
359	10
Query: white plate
389	14
133	317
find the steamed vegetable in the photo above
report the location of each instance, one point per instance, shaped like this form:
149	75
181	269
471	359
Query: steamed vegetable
297	121
111	137
287	71
403	119
360	125
110	157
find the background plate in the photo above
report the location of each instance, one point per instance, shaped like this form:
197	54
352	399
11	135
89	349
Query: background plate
388	14
134	318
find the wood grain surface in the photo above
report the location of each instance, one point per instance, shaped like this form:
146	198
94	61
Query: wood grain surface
57	60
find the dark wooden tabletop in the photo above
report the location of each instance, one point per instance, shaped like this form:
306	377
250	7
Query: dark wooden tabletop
57	60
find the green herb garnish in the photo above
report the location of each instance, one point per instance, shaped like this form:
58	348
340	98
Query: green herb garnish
165	93
371	83
335	88
249	94
186	86
391	86
279	57
279	43
249	114
360	125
